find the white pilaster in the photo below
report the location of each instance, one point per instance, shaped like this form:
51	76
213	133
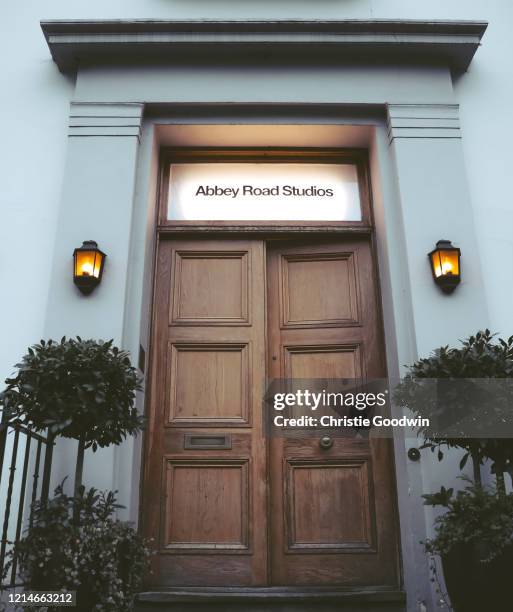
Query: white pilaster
96	203
435	203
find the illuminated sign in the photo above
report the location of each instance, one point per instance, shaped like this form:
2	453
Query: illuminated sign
263	191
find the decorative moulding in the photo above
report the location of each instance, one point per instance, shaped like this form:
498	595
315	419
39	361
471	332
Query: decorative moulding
423	121
451	43
97	119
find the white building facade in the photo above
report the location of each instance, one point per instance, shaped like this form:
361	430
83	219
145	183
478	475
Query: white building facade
93	98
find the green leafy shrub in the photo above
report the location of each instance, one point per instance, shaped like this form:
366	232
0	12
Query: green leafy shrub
75	544
467	395
475	516
81	389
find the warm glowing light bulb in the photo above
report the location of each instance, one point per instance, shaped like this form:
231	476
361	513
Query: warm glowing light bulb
447	267
87	268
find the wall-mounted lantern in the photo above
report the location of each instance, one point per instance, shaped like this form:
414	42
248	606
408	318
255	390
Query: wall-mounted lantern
88	262
445	265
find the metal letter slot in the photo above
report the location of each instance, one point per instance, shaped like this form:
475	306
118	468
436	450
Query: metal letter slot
207	441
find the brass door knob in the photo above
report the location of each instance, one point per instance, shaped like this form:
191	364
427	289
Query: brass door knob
325	442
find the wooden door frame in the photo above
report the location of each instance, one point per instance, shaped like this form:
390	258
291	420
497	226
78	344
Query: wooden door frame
264	230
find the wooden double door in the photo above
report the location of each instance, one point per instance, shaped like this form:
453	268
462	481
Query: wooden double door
226	504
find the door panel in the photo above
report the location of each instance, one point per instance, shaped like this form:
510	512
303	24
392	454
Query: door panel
220	395
210	287
333	512
313	274
323	361
217	490
206	471
315	489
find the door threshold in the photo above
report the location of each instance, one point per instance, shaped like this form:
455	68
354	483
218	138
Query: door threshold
271	594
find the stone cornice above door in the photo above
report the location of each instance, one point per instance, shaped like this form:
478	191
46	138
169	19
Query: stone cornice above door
449	43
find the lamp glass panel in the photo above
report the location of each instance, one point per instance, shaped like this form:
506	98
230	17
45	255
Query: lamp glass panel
264	192
446	263
88	263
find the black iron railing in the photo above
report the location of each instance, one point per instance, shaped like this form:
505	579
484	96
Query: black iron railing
25	469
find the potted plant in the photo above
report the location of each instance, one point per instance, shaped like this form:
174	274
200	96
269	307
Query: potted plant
75	544
80	389
466	396
474	539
